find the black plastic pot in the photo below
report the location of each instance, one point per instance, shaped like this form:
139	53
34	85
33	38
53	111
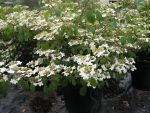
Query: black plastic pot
75	103
141	77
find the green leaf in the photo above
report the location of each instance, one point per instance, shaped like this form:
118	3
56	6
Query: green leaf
58	12
73	81
2	16
81	52
67	1
53	87
123	40
118	77
113	24
54	83
101	85
99	16
8	33
131	54
47	14
83	91
1	58
107	84
93	82
91	29
64	82
46	89
32	88
43	45
74	50
3	88
46	61
25	85
90	16
75	30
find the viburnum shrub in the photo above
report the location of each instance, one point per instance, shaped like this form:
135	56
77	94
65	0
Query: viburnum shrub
79	42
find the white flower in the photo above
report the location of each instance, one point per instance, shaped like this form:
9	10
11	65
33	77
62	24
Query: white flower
87	72
2	70
5	78
99	51
104	67
68	70
92	46
18	63
13	81
133	68
38	84
11	71
102	50
1	63
84	59
121	69
3	24
28	75
112	67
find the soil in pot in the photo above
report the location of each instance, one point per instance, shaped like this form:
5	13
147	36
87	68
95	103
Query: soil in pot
75	103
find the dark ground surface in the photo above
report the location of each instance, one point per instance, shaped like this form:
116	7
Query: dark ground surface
18	101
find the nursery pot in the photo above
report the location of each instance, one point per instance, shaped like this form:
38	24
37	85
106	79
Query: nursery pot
141	76
89	103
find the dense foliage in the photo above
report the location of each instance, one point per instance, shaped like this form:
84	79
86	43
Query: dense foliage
82	42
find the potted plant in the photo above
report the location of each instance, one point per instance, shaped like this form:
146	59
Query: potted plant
135	24
140	77
74	45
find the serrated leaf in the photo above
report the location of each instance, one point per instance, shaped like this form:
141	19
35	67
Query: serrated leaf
90	16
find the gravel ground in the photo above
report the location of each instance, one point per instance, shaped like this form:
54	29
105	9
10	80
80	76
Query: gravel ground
18	101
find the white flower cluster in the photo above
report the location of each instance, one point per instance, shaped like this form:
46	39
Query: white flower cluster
34	75
54	54
45	36
123	66
31	19
3	24
78	43
102	50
